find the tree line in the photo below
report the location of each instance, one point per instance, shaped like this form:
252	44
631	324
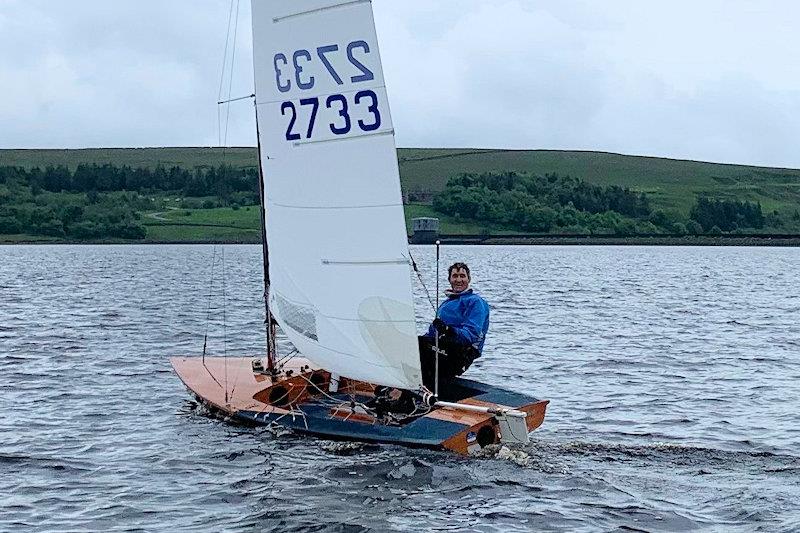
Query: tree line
727	215
106	201
561	204
229	183
100	201
80	216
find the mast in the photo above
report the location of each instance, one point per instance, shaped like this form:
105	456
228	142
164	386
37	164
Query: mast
269	321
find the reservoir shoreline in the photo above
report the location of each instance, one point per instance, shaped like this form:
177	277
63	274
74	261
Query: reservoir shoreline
479	240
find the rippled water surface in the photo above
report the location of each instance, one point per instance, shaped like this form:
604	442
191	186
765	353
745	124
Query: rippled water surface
674	376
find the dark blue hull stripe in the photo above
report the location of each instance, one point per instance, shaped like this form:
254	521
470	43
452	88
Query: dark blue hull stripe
423	431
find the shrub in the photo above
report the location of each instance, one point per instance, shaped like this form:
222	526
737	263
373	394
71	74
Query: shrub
694	228
679	228
10	226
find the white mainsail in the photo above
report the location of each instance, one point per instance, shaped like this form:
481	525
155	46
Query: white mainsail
340	280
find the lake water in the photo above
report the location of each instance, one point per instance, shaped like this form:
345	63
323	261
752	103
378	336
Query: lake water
674	377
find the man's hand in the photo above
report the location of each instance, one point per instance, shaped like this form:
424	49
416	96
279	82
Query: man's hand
441	327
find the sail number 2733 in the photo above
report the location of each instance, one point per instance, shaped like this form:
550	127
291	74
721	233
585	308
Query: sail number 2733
344	112
338	102
286	74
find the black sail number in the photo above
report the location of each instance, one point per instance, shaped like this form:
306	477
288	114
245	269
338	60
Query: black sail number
304	64
314	103
365	102
343	112
373	108
290	135
366	74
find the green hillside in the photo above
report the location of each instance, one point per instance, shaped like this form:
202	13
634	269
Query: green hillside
670	184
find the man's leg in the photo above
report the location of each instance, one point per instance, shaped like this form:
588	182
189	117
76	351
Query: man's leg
453	362
458	360
427	359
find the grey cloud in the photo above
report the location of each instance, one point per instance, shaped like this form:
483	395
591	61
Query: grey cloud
114	73
680	79
708	80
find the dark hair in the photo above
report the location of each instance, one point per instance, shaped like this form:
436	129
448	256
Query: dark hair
458	266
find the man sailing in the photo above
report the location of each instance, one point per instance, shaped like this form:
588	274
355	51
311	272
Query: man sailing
461	324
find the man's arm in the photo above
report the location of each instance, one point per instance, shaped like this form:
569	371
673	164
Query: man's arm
431	332
471	330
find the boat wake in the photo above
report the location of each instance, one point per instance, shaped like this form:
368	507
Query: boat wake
558	457
662	452
524	456
347	448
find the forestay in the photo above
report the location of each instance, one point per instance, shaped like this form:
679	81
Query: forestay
339	264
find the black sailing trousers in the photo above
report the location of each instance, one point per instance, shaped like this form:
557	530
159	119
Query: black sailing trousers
454	359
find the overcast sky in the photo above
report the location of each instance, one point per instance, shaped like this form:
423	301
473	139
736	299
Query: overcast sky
714	80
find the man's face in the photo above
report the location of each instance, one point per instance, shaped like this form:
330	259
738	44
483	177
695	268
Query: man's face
459	280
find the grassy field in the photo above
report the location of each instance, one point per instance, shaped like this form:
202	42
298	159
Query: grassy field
669	183
243	218
244	225
37	239
189	234
204	225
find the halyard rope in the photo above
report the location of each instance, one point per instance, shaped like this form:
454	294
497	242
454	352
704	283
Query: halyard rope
421	281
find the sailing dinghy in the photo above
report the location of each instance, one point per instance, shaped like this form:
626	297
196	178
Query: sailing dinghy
337	267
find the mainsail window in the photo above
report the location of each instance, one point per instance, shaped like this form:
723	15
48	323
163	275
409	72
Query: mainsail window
298	317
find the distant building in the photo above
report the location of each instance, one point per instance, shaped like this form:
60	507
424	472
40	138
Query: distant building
424	230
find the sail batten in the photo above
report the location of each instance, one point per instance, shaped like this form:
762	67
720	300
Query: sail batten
332	207
305	143
320	10
365	262
340	280
313	93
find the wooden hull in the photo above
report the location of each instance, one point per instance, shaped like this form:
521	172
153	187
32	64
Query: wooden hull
295	400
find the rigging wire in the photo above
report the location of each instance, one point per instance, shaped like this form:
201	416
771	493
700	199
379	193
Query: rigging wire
222	139
288	357
222	74
233	63
238	372
208	308
224	324
421	281
208	317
